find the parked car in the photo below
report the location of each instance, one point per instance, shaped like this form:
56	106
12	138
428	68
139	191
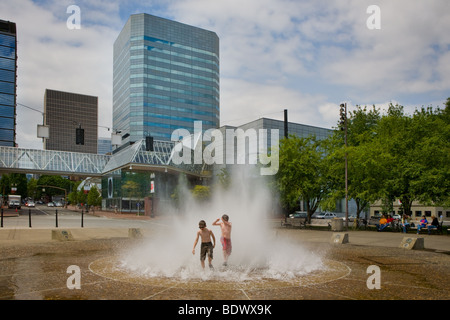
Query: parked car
326	215
351	217
298	214
30	203
50	204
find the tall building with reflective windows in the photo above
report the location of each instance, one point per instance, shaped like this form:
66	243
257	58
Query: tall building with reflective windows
73	121
8	80
166	76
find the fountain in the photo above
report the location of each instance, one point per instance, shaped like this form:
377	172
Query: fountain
260	259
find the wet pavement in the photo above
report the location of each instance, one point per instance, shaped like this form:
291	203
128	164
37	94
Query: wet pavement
34	266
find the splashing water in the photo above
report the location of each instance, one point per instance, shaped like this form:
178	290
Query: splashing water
257	253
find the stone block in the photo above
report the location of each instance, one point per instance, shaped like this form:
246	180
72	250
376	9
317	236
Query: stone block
411	243
62	235
339	238
134	233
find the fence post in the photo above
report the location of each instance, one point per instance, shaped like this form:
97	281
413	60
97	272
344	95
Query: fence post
56	218
82	218
29	217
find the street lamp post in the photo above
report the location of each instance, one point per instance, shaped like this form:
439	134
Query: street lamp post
343	122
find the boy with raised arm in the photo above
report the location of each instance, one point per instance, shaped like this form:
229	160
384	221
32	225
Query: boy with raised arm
225	239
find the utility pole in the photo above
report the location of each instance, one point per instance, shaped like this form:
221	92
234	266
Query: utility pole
286	133
343	125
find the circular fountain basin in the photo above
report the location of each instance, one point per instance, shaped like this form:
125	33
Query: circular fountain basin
221	278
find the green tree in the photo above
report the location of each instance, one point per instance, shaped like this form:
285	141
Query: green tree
364	158
73	197
201	193
418	150
94	198
53	181
14	180
302	173
82	197
32	188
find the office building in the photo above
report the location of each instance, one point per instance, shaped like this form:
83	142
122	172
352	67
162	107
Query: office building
166	76
253	139
8	83
73	121
104	145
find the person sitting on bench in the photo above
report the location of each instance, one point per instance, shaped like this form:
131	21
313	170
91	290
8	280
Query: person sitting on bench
383	223
434	224
422	224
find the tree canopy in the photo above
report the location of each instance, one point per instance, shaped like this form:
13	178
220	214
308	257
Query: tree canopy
391	155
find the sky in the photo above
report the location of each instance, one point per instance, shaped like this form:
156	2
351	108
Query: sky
306	56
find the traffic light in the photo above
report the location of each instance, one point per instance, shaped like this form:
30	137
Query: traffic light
79	136
148	143
343	117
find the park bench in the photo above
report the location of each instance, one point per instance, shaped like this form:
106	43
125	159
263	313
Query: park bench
393	226
302	224
319	223
437	230
293	222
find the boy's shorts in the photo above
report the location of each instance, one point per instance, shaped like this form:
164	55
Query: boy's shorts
206	247
226	245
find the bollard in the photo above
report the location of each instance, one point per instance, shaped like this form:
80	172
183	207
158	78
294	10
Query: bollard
56	218
29	217
2	218
82	218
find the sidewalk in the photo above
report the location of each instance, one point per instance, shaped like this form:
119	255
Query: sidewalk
440	243
372	238
112	214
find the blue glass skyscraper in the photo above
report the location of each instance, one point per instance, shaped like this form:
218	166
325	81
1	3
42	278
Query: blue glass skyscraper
166	76
8	70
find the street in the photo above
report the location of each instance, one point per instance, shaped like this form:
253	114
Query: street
51	217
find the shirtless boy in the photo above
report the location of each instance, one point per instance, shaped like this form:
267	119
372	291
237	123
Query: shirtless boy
225	239
207	246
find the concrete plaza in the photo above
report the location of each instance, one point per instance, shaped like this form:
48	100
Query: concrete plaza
35	266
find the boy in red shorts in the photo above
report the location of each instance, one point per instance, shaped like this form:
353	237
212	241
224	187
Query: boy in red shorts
225	239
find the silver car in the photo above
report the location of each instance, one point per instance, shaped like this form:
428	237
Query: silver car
326	215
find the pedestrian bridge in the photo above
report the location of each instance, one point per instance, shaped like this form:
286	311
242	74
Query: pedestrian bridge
94	165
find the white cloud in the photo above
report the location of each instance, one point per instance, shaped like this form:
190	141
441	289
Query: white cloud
305	56
292	43
51	56
248	101
401	58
